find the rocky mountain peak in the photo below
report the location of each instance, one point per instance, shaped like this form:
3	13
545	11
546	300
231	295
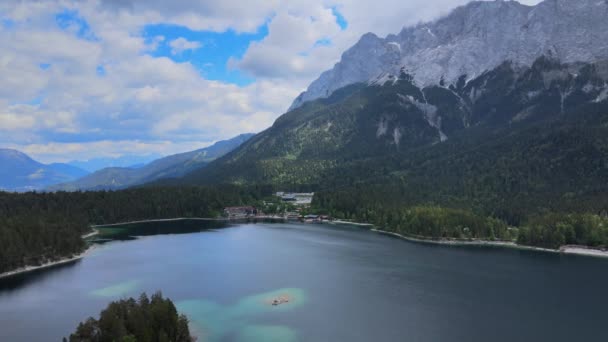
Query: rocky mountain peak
471	40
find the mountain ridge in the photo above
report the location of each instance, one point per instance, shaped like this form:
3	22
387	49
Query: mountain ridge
127	161
335	140
167	167
20	172
472	39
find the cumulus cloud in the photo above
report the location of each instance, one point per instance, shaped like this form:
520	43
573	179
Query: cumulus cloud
12	121
293	37
182	44
91	87
212	15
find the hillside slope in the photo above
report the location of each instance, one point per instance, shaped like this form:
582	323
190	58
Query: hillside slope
363	132
168	167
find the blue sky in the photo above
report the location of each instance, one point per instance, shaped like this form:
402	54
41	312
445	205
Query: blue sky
71	20
342	22
211	59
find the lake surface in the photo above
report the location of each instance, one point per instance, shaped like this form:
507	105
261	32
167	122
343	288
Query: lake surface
344	284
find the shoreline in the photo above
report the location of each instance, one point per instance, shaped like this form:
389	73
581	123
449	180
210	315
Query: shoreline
571	250
358	224
158	220
584	251
28	269
219	219
95	232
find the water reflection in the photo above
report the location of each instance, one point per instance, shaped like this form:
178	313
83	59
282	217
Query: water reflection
132	230
118	290
18	281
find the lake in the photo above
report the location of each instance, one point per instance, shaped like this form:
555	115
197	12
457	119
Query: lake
344	284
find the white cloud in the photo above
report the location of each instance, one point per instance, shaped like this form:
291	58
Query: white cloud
31	117
12	121
212	15
181	44
291	49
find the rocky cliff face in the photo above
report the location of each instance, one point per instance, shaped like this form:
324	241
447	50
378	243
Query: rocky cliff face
471	40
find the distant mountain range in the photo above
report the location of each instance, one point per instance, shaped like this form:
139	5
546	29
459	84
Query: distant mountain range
168	167
129	161
19	172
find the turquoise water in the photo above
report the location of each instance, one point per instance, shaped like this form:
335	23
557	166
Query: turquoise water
118	290
342	283
212	321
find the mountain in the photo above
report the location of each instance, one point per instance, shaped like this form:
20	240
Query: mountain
68	170
168	167
471	40
129	161
356	132
19	172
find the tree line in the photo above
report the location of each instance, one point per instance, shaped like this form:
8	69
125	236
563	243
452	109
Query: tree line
130	320
36	228
555	230
533	228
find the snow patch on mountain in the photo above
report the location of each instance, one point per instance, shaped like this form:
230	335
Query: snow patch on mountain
397	136
383	79
603	96
382	127
429	111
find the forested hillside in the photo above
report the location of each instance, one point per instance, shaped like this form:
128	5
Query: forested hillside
354	132
40	227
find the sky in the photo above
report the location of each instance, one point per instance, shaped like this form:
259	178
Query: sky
82	79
